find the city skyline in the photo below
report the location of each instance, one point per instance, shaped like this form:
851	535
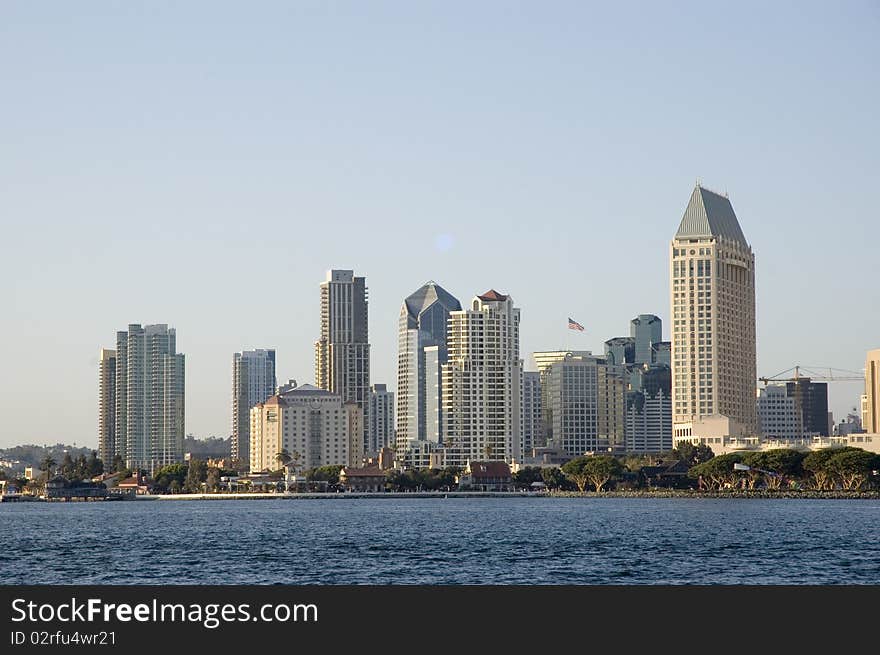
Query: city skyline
423	144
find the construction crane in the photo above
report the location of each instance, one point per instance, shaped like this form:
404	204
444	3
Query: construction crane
800	372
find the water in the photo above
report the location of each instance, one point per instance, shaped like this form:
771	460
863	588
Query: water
437	541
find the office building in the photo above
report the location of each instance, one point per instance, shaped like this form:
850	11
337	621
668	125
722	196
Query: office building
150	397
313	426
871	399
532	424
482	378
620	350
811	402
253	381
584	405
713	318
645	330
648	426
381	417
778	414
421	353
342	353
107	407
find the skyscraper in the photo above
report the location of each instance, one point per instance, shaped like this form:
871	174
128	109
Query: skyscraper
584	408
646	330
532	424
381	429
420	354
342	353
107	407
649	410
253	381
150	396
713	310
871	399
482	382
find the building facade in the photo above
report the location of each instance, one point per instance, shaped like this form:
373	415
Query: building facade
645	330
253	381
620	350
871	399
712	301
342	353
313	426
778	414
150	397
381	416
532	423
584	405
421	353
107	407
649	411
811	402
482	382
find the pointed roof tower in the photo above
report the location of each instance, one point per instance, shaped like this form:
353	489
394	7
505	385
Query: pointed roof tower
709	214
424	297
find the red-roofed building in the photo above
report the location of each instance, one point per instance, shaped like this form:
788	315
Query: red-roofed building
486	476
493	296
370	478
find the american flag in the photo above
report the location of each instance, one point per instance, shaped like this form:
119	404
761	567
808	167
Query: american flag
574	325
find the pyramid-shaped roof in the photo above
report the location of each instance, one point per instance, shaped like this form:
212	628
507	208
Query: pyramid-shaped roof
427	295
493	296
709	214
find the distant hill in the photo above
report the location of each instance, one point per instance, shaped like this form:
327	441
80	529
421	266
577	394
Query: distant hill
215	447
32	455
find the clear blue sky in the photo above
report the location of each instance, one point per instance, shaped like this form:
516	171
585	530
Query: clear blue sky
203	164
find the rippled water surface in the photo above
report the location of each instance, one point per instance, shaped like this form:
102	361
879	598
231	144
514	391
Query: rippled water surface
442	541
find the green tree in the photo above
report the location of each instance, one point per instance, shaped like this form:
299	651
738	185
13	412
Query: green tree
817	463
282	458
81	467
853	467
597	470
212	482
718	471
553	477
68	468
171	473
94	465
524	478
693	454
328	474
118	464
46	465
196	473
784	462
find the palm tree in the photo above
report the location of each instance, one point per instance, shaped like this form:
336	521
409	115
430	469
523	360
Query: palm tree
283	457
47	465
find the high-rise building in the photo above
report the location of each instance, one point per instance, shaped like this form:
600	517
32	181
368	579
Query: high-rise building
312	426
420	354
342	353
778	414
662	353
584	405
620	350
482	382
544	360
646	330
532	424
150	393
107	407
253	381
649	410
381	417
811	402
871	399
713	318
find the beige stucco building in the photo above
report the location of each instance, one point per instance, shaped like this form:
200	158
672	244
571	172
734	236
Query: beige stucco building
712	269
312	425
482	381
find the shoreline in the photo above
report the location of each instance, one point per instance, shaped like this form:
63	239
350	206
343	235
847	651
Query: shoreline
733	494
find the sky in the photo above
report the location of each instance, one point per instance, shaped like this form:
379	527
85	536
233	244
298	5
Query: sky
203	164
